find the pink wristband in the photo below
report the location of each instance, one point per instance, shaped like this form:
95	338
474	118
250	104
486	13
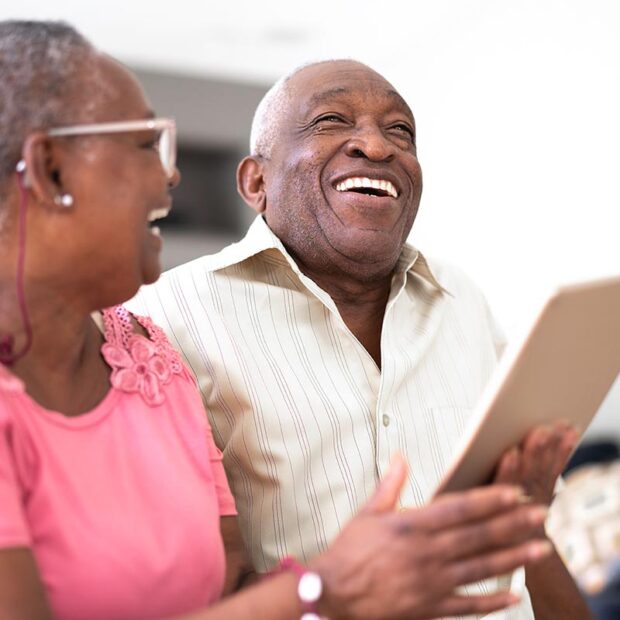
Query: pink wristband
309	587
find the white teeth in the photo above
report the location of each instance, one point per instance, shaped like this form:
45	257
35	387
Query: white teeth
155	231
158	214
358	182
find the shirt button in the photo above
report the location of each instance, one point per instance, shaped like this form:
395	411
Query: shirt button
386	420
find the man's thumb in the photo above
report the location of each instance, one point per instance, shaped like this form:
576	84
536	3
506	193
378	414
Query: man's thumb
385	497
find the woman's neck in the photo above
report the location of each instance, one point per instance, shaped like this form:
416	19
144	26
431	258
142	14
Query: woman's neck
63	370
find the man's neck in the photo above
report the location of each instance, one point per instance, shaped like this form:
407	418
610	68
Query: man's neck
361	304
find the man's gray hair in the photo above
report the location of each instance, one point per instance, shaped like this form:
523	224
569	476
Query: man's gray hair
268	115
38	64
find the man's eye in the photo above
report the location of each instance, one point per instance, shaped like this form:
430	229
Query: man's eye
403	128
330	118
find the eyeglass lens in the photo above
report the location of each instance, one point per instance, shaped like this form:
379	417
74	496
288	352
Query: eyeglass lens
167	149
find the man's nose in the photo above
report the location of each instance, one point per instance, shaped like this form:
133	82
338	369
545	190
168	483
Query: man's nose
371	143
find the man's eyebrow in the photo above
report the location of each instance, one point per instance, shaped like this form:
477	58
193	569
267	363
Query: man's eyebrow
393	94
326	95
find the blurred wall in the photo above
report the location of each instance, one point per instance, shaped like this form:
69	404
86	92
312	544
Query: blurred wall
214	118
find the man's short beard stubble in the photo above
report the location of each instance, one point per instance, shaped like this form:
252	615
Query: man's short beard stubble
305	237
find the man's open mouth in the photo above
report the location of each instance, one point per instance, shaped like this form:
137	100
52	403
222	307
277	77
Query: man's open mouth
371	187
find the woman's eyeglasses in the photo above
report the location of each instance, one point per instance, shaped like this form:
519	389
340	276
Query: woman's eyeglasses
165	132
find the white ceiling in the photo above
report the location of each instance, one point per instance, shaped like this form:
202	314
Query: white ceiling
517	106
260	40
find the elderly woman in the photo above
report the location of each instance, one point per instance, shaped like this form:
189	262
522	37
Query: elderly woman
112	491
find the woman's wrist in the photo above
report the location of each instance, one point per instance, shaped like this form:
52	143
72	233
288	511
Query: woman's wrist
309	587
330	605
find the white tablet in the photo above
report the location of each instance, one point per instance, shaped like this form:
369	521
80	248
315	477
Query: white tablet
562	370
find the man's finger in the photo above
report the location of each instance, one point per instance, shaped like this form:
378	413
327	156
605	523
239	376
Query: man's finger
536	443
508	467
568	443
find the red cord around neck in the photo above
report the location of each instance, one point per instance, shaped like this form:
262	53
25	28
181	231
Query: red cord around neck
8	357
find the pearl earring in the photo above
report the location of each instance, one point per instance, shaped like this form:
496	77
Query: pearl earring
65	200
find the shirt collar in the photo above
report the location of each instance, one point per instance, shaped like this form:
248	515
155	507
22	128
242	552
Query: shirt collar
261	239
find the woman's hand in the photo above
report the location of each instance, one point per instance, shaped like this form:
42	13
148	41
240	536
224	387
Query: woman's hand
388	564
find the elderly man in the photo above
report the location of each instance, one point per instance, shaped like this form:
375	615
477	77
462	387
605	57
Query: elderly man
322	342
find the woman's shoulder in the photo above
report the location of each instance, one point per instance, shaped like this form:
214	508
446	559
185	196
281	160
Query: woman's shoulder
9	382
140	355
11	389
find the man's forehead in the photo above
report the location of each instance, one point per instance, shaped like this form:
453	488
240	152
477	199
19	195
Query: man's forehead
332	82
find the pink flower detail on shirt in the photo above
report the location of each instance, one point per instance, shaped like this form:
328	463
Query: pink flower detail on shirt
138	368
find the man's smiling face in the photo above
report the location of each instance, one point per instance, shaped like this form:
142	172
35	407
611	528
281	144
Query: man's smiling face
342	181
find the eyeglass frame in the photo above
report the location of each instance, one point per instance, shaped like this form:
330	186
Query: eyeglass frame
168	160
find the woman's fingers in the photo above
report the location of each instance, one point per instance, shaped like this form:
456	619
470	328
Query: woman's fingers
496	563
454	509
462	605
502	531
385	498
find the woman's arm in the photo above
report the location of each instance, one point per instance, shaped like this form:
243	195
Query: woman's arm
386	564
239	569
383	565
21	592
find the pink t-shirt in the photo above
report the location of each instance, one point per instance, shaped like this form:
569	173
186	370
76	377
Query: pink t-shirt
120	505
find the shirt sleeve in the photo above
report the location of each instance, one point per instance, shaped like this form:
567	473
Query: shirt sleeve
226	501
224	496
14	530
497	333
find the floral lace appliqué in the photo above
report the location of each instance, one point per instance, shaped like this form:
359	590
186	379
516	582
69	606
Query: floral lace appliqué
139	364
139	368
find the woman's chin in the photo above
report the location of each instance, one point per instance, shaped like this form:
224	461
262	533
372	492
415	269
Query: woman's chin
152	275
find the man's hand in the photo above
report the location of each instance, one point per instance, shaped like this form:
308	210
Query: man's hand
387	564
538	462
536	465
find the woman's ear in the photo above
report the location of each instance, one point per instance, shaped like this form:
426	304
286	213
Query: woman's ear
42	174
251	183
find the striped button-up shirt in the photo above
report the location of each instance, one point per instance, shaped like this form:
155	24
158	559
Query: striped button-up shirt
307	421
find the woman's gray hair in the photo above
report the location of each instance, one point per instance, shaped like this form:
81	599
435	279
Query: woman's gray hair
38	65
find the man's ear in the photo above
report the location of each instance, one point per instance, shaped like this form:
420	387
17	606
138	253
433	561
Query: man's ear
42	176
251	183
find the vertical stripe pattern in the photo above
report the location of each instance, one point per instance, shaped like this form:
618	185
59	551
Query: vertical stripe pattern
305	419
